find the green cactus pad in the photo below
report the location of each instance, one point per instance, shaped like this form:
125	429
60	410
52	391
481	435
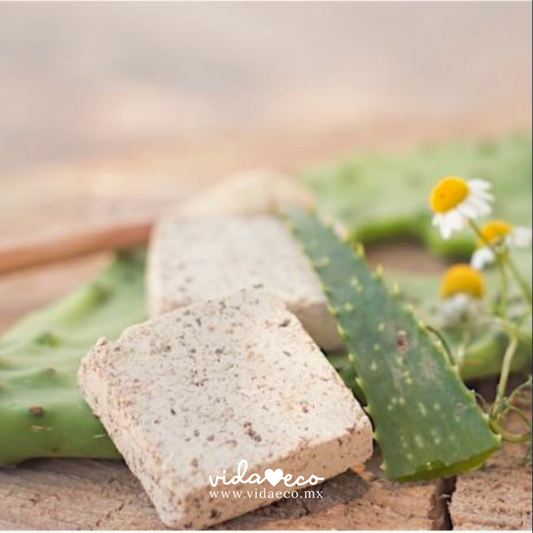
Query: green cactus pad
427	423
385	196
42	413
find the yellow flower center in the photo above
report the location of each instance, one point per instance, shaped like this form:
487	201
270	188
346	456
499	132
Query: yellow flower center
494	231
448	193
462	279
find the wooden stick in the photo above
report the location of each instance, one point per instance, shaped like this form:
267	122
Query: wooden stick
47	248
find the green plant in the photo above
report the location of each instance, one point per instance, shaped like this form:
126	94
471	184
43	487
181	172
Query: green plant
42	413
349	190
427	423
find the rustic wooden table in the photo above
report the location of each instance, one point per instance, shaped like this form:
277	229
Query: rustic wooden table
110	113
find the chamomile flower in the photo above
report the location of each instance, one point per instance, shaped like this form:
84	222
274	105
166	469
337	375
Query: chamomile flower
496	236
455	200
462	291
458	310
462	279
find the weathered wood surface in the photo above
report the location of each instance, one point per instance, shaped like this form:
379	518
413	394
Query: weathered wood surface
150	139
85	494
498	496
364	501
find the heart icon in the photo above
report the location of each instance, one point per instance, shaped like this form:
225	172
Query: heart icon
274	477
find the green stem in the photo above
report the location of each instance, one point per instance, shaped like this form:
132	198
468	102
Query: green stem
483	358
526	289
519	389
521	415
465	342
503	295
501	405
506	370
445	344
478	232
506	435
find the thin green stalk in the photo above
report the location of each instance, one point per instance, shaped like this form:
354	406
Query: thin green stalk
503	294
484	356
465	342
526	289
508	436
501	404
445	344
519	389
506	370
520	415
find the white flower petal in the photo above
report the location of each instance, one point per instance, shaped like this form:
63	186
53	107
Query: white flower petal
520	237
484	195
482	258
458	309
480	184
467	210
437	218
456	220
482	207
446	229
442	222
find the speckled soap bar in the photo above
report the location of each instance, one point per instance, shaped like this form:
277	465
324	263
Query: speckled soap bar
193	393
207	258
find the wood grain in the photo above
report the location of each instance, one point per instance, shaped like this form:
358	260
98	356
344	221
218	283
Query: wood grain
18	254
498	496
104	495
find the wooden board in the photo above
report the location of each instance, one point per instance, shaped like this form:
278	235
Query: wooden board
497	497
85	494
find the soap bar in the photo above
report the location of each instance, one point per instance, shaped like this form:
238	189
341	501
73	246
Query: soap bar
189	396
252	192
213	257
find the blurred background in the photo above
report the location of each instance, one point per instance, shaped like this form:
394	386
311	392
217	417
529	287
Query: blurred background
197	90
116	110
82	78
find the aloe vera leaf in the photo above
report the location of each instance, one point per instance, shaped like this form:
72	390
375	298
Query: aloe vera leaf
385	196
42	413
426	422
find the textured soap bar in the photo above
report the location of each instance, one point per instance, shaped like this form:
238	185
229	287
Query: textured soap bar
192	393
213	257
252	192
